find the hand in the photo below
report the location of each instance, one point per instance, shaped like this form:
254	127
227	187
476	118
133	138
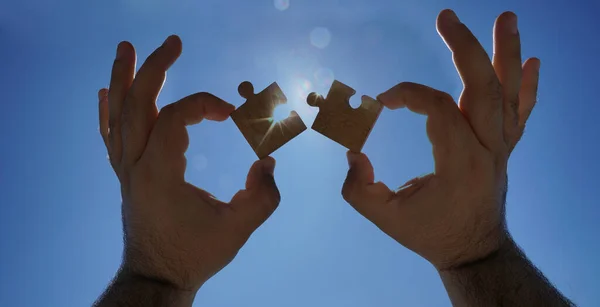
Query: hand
456	215
174	232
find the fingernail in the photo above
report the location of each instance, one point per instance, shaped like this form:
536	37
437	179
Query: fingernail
450	17
121	50
269	165
511	24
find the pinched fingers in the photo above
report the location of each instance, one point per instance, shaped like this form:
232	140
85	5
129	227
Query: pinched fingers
449	132
481	101
169	139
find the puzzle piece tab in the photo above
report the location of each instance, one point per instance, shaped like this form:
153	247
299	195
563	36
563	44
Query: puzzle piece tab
340	122
254	118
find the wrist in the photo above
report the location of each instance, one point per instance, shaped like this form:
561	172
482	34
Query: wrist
158	288
504	277
507	251
175	274
486	248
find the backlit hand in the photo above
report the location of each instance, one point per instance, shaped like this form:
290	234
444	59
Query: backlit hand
456	215
174	232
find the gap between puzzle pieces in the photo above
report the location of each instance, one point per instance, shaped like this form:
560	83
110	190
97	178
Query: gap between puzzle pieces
340	122
254	118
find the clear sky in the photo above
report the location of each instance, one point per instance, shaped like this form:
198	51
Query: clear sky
60	224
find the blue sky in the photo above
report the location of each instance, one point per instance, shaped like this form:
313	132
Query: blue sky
60	227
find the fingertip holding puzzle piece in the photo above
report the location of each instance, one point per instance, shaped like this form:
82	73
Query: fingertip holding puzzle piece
336	119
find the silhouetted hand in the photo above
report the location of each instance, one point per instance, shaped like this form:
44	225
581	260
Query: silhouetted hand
456	215
175	232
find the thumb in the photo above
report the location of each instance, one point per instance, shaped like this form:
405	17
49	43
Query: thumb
360	190
261	174
253	205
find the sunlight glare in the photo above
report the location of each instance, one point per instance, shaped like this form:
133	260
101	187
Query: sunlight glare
281	112
303	87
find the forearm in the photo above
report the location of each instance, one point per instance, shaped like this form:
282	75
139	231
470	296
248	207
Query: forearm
504	278
131	290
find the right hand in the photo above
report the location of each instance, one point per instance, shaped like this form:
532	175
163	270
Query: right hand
456	215
175	233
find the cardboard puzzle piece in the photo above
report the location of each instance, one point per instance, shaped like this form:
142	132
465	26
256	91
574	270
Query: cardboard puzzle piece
254	118
340	122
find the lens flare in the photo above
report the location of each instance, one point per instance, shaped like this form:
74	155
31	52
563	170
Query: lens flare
281	5
320	37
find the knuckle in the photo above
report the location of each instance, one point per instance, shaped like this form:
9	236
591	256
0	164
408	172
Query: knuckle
126	112
168	112
494	89
443	97
513	104
131	100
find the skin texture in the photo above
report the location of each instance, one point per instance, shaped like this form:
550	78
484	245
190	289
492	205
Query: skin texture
176	235
503	278
455	217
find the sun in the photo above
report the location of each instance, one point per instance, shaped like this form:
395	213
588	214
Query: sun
281	112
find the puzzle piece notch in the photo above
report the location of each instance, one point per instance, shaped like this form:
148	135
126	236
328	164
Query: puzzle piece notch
340	122
254	119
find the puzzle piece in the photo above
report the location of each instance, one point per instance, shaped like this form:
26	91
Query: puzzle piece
254	118
340	122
